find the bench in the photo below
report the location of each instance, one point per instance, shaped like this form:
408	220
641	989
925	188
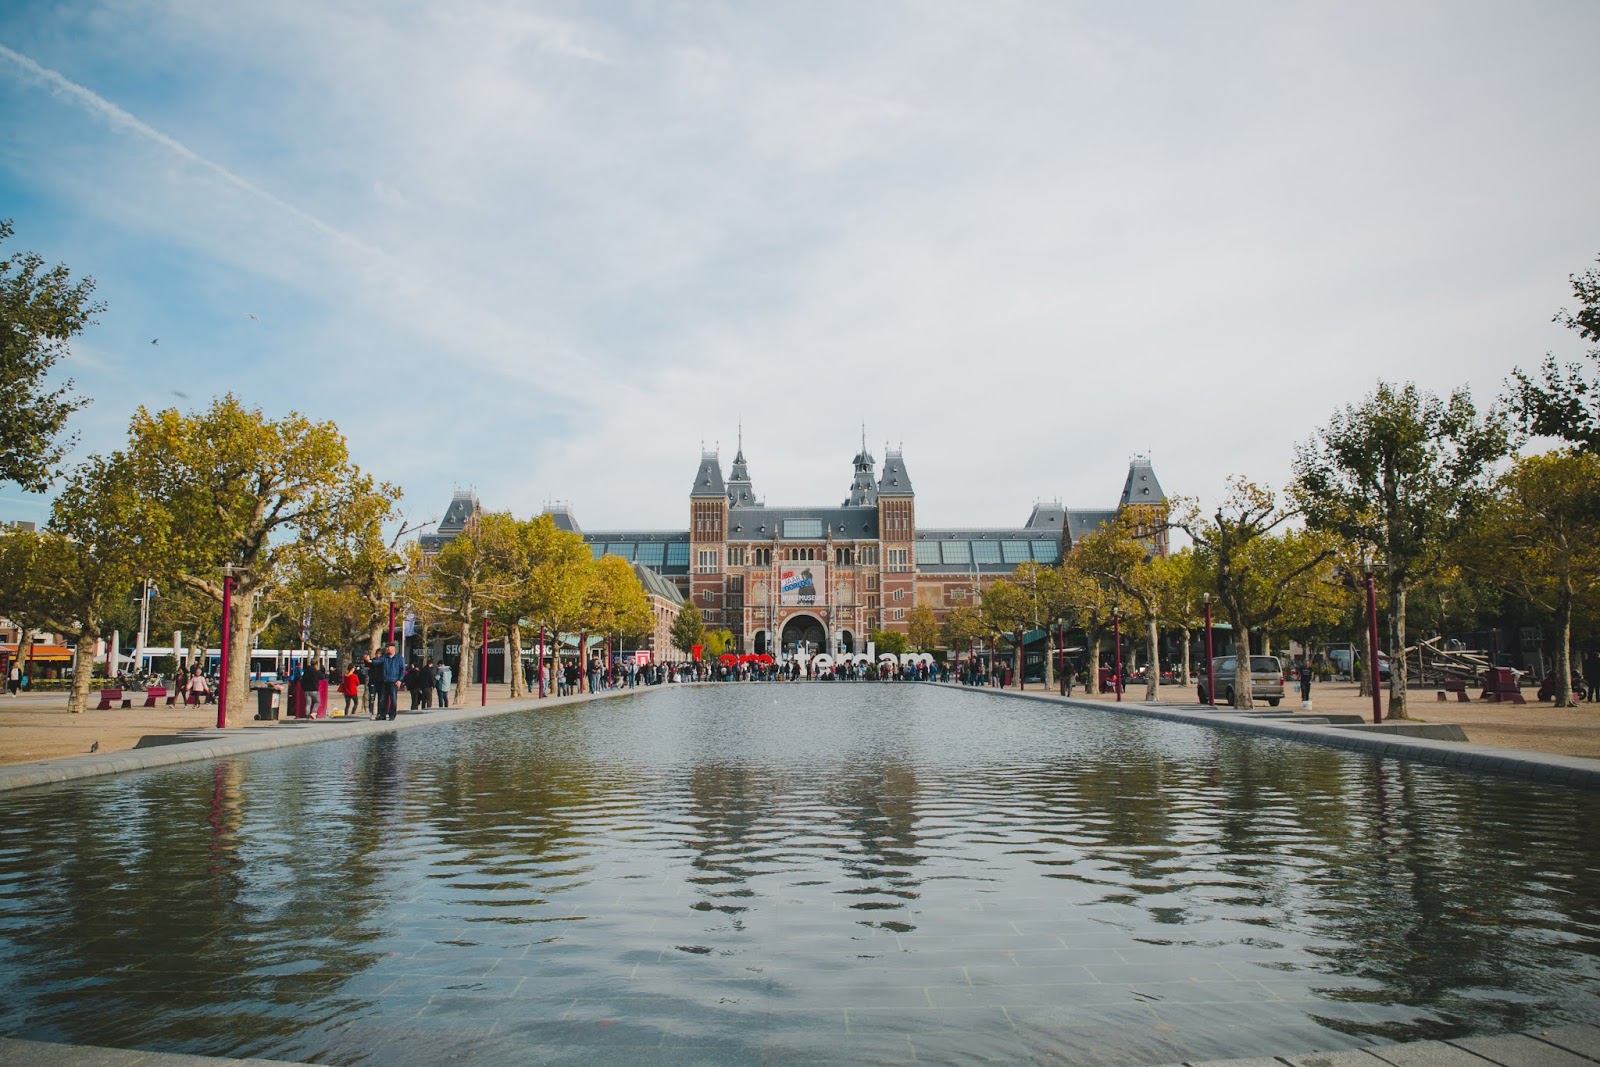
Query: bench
1457	686
154	693
1500	685
108	697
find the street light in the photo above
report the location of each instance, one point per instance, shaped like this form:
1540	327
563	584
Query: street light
483	663
1116	626
1211	683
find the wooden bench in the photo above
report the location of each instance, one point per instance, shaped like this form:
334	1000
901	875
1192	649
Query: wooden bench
1457	686
108	697
156	692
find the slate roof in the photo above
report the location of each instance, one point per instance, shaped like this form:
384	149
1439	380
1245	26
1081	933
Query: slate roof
740	491
656	585
1080	523
563	517
844	523
463	506
863	485
1141	486
895	480
1051	517
708	479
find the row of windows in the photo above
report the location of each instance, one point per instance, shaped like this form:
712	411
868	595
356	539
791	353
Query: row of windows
928	553
968	553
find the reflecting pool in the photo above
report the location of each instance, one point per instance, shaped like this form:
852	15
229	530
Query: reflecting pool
793	873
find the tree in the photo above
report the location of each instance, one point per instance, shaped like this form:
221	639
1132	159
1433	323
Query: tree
41	310
1046	590
688	629
922	626
362	556
891	641
718	643
1119	553
551	592
1089	599
614	602
1403	471
471	574
1250	571
68	577
963	627
1539	539
1564	401
1007	609
1179	583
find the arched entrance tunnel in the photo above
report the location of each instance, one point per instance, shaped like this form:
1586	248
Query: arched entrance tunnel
803	630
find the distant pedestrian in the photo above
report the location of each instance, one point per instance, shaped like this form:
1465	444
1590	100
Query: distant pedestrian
1591	675
350	687
441	683
372	680
311	685
390	669
14	679
426	680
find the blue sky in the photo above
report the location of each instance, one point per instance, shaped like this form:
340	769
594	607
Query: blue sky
544	250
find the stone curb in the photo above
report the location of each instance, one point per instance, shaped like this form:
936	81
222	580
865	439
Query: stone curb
1576	771
240	740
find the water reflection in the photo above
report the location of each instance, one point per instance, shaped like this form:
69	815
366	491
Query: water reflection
761	869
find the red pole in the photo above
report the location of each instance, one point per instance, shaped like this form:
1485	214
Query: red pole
1211	685
391	622
1116	627
541	663
1061	650
222	648
1372	648
483	663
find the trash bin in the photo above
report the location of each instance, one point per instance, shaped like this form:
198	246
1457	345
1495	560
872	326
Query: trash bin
267	703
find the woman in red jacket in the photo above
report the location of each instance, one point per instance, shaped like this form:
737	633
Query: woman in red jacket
350	686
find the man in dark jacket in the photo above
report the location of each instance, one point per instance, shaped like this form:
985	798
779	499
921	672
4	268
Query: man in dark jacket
390	668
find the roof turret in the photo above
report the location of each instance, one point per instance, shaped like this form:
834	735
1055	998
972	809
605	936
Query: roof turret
895	480
1141	486
864	487
741	494
708	479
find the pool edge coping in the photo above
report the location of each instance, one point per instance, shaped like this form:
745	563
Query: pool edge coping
1580	772
242	740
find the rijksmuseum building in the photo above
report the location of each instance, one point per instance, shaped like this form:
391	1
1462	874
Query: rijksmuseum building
822	578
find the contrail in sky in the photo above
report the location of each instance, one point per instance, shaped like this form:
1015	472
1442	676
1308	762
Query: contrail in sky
117	117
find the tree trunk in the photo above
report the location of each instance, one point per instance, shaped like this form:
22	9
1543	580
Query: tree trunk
1152	684
1564	645
82	673
1185	665
1049	657
1242	699
583	661
1397	655
514	662
1016	656
464	672
1093	685
375	637
240	644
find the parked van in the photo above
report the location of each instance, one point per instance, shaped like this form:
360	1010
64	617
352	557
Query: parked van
1266	680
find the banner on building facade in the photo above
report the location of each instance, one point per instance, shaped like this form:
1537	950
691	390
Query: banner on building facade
801	585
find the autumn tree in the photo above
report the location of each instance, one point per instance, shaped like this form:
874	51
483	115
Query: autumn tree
614	603
41	310
1403	471
963	627
67	577
364	556
466	580
891	641
1119	554
1539	539
1249	567
922	627
1563	400
1089	598
551	592
1007	609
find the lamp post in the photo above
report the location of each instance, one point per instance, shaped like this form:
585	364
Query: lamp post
391	620
1116	640
222	645
1372	643
1061	650
483	662
541	663
1211	683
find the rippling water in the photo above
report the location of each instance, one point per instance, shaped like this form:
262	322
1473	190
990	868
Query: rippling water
785	873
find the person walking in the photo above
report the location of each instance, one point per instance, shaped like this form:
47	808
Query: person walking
389	668
1591	675
350	689
14	679
1306	675
311	684
426	681
371	681
441	683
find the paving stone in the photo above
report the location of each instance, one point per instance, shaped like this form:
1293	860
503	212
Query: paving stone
1426	1054
1333	1059
1260	1061
1515	1050
1582	1039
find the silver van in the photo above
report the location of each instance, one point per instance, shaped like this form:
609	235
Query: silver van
1266	680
